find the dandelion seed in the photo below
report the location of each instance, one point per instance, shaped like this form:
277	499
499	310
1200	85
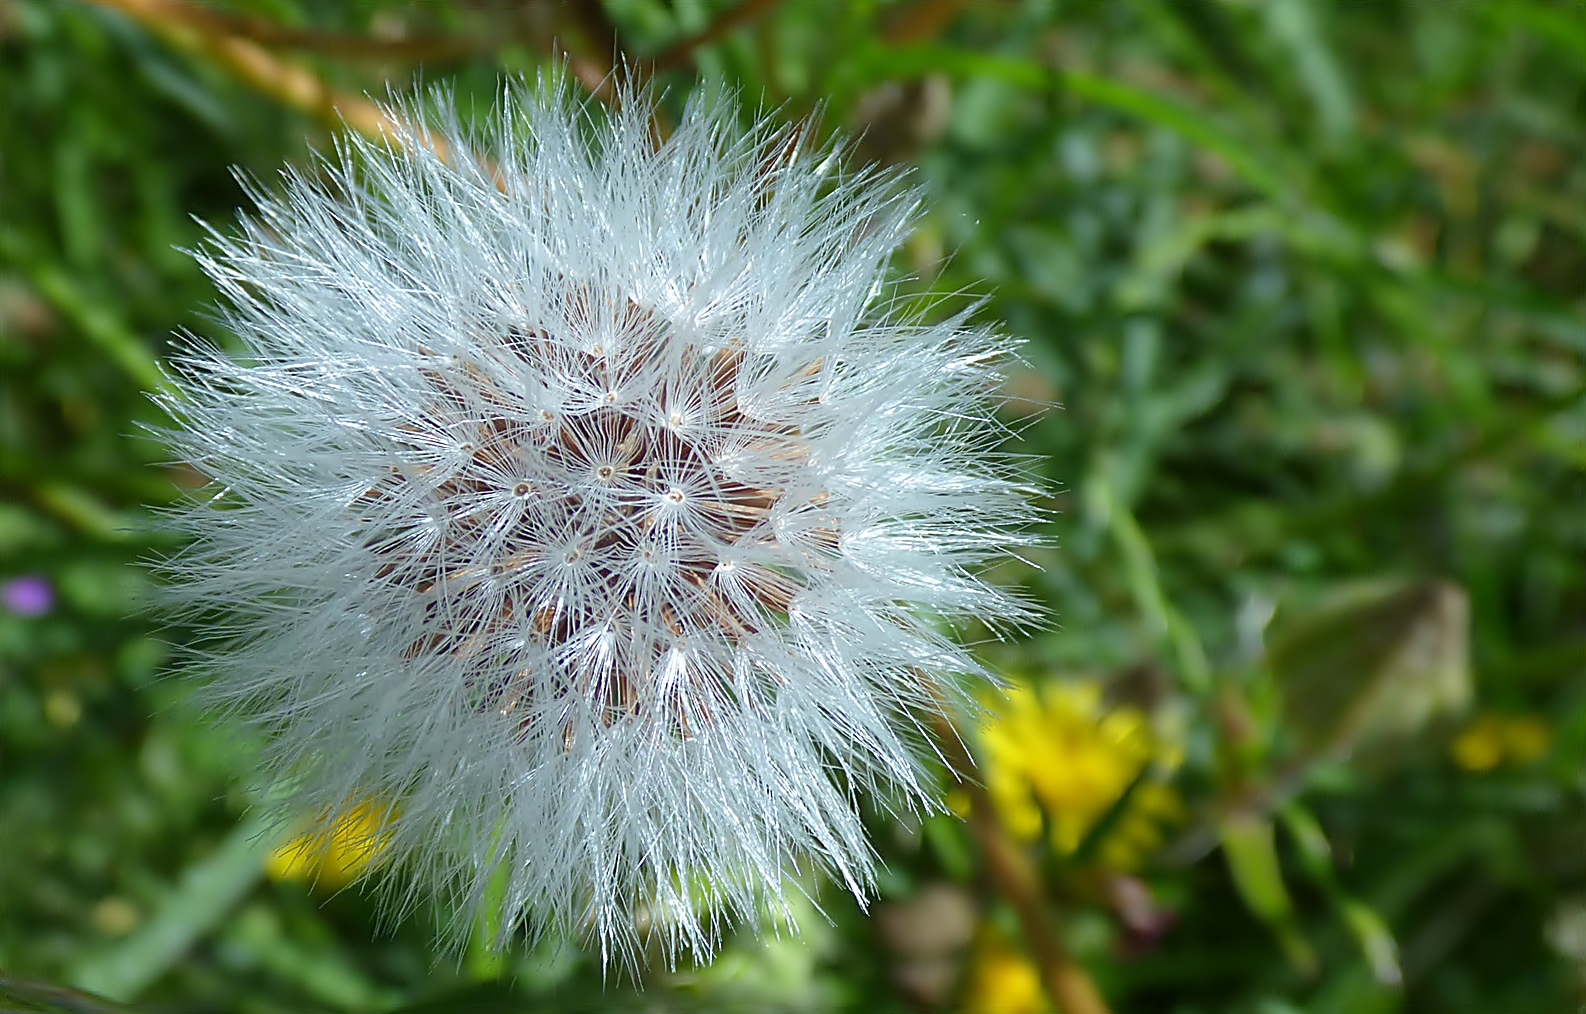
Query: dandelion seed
597	507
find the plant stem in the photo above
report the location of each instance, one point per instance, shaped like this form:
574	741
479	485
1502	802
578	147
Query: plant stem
290	83
1019	882
680	52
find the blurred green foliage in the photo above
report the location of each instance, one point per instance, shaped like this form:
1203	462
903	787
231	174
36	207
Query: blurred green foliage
1308	281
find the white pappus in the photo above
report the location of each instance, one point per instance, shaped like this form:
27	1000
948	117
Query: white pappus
590	503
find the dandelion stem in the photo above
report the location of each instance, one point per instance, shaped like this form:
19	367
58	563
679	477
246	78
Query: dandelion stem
1019	882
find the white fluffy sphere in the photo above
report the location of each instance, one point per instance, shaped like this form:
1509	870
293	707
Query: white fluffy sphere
586	500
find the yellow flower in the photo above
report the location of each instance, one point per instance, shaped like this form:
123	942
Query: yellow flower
1060	752
1138	832
1491	739
333	857
1004	982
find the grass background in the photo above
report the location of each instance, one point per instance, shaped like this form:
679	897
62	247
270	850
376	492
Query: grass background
1307	278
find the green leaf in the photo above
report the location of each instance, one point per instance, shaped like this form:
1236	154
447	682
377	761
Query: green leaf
207	893
1197	126
324	973
1250	848
18	996
1369	930
1370	659
99	325
1554	25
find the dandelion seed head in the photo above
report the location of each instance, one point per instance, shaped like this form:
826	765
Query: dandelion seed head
592	501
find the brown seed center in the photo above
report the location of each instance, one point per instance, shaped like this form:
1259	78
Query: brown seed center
488	584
